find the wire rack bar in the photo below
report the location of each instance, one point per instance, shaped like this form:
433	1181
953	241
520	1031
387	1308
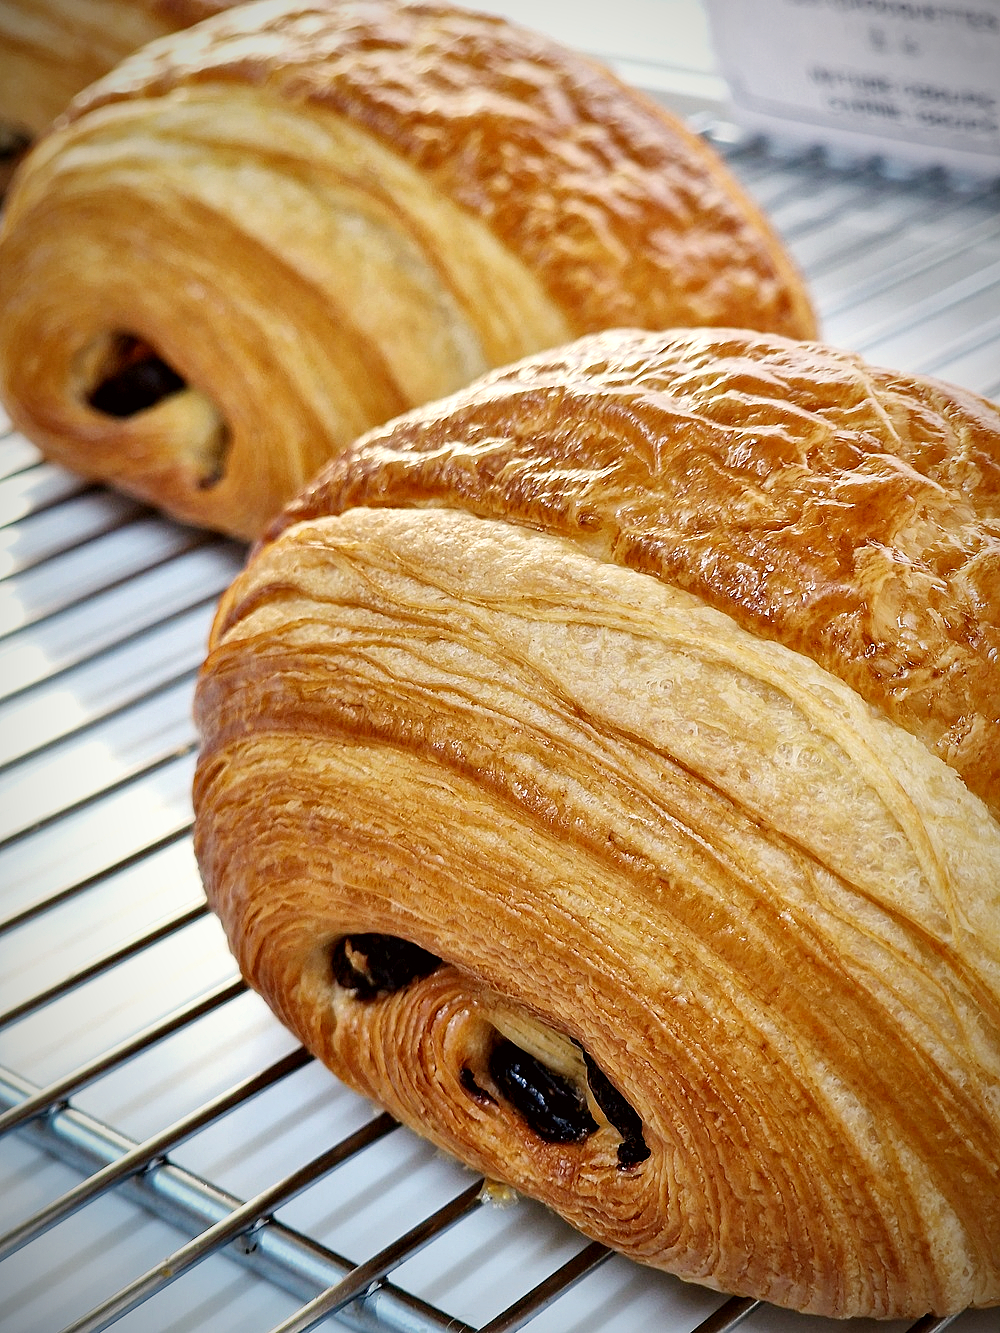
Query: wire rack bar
278	1254
542	1296
974	285
873	284
239	1222
129	774
114	617
31	492
71	891
104	964
16	454
96	566
144	1154
57	1093
729	1315
160	696
130	680
374	1270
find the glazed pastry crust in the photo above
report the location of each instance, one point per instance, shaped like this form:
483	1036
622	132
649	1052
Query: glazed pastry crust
459	698
322	215
561	160
847	511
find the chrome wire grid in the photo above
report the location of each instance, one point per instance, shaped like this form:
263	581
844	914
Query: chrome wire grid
169	1159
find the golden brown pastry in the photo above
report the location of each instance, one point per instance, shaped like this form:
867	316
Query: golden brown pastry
52	49
599	769
256	239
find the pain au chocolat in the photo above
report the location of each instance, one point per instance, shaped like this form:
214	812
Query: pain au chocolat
257	238
50	50
599	770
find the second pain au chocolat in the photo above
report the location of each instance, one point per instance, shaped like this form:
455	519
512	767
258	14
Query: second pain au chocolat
599	770
258	238
50	50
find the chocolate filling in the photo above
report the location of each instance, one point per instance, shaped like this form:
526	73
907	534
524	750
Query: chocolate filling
132	379
14	143
554	1107
633	1148
372	965
551	1105
128	377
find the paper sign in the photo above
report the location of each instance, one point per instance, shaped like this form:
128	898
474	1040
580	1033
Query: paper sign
900	78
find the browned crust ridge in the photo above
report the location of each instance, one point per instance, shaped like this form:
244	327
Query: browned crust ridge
600	191
849	512
649	687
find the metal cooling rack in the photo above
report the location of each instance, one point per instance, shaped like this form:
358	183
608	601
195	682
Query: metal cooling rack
169	1160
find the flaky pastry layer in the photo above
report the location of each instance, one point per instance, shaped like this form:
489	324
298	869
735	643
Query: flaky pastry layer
845	510
599	770
259	237
627	834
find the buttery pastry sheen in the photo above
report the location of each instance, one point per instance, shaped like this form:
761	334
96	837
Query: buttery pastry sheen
599	770
257	238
